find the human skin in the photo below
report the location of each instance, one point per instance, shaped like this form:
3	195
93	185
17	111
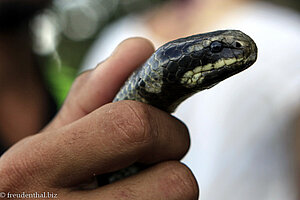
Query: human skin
90	136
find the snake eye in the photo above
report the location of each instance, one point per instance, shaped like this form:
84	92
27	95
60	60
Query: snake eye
216	47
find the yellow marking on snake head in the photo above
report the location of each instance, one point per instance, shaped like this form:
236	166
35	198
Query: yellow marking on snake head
197	69
198	47
240	59
207	67
196	77
230	61
188	74
206	43
219	64
200	79
192	80
193	77
184	80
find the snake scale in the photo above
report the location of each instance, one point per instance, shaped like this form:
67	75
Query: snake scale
181	68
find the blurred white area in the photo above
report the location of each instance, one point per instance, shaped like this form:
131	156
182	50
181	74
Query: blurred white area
82	23
240	129
45	32
78	20
82	18
131	26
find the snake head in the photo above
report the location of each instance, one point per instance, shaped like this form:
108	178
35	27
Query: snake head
182	67
216	56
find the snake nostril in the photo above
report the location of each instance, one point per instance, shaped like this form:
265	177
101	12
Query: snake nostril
237	45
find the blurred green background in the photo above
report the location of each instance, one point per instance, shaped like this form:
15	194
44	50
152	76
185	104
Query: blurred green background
64	32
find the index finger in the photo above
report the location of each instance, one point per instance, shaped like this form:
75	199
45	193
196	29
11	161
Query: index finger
97	87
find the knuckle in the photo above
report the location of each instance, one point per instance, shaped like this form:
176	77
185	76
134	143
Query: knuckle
181	179
135	122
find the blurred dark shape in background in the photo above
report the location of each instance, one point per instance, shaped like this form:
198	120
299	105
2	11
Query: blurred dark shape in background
294	4
15	12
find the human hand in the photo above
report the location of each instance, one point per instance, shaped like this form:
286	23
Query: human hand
91	136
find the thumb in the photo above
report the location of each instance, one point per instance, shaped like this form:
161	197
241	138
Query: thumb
96	87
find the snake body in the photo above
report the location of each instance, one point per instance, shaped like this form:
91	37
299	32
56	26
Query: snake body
183	67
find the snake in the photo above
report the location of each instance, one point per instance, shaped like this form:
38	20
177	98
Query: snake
181	68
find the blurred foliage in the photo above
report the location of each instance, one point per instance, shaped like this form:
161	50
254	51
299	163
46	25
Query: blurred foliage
68	29
59	80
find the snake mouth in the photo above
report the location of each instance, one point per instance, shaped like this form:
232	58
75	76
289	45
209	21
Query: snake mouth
211	74
212	77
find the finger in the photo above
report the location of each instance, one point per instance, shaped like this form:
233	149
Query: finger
107	78
110	138
165	181
99	86
67	113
